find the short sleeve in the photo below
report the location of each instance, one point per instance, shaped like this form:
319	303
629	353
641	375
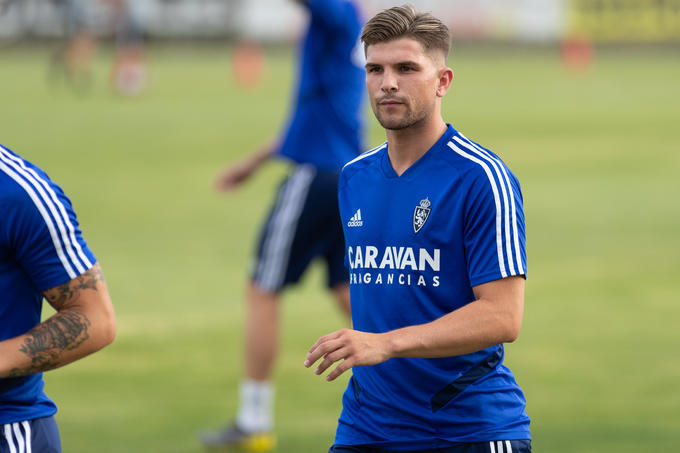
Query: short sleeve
494	233
42	230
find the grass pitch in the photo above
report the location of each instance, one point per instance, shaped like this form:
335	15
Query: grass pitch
597	156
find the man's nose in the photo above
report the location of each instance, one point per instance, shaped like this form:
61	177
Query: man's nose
389	82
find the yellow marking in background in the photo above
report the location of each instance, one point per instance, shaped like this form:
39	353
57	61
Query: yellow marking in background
625	21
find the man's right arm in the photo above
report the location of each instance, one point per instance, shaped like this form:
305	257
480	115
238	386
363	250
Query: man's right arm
494	317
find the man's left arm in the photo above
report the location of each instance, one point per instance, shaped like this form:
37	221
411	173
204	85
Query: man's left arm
84	323
494	317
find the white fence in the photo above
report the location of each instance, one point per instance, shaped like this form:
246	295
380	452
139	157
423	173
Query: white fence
277	20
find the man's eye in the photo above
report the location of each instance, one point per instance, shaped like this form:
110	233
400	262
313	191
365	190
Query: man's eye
373	69
406	68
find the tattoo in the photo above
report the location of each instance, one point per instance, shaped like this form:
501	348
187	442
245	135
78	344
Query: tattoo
70	291
46	343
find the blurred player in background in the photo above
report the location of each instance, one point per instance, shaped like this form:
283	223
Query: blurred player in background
73	58
437	265
323	133
42	254
128	70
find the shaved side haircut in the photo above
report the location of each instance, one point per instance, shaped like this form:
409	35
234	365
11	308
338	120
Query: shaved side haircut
407	22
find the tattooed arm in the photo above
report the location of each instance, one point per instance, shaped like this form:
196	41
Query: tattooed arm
83	324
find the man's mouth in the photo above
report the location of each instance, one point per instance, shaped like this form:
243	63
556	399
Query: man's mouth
389	102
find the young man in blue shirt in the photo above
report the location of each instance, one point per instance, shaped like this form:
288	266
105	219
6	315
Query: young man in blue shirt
42	254
434	232
323	133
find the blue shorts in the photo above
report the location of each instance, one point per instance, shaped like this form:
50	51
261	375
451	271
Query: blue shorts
303	224
37	435
497	446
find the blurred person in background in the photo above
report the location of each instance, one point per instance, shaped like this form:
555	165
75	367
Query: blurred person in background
324	132
437	266
128	70
73	58
42	255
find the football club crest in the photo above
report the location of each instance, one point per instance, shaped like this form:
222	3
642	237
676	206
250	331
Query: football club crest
420	214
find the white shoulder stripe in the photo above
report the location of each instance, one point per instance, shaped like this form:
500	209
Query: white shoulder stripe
56	208
496	197
513	209
58	233
46	217
366	154
66	227
506	207
499	170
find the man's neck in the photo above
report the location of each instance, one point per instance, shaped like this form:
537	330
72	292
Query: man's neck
406	146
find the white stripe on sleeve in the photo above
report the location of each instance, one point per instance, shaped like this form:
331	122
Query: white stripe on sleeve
512	203
46	217
499	236
59	205
508	446
497	166
50	199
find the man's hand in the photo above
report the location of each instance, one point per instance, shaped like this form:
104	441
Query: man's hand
234	176
354	348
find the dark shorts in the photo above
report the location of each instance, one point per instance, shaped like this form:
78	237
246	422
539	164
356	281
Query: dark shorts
37	435
497	446
303	224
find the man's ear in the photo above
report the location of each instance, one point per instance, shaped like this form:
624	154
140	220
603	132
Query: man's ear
445	79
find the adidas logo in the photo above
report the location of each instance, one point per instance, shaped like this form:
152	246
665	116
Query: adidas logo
356	221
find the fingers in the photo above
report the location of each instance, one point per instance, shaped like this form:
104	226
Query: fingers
344	366
322	347
223	183
231	178
351	348
341	353
330	336
332	348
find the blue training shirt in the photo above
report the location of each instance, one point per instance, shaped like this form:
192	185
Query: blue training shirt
41	247
416	246
326	122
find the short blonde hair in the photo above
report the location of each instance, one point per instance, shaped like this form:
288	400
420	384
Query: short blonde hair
407	22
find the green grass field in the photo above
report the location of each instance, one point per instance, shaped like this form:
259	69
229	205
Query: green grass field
598	156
